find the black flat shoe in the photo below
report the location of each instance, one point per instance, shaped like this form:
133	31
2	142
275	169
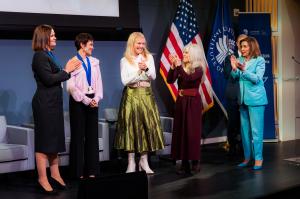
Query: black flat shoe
42	190
57	185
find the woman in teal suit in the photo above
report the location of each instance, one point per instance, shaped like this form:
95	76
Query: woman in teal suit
250	69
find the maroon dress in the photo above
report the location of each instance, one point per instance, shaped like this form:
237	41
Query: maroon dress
188	115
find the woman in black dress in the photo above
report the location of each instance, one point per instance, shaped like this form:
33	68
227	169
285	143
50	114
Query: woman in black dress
47	106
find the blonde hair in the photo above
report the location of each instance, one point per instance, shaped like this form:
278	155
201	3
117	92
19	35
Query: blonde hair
197	59
129	52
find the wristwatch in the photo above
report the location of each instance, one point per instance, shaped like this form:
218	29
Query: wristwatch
146	70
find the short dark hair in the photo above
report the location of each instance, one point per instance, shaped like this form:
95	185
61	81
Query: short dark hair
41	37
82	38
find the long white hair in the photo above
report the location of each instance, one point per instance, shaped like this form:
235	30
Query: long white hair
197	58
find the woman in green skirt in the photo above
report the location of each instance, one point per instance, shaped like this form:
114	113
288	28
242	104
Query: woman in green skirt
139	128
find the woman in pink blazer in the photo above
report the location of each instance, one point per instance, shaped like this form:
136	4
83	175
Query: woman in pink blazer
85	89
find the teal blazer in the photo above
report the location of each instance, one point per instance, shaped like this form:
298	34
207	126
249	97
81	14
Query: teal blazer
252	89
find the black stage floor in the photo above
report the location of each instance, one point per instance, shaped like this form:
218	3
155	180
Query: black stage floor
219	178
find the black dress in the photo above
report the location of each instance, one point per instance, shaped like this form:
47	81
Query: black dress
47	104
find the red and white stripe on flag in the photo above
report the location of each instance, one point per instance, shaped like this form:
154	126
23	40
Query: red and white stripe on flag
174	45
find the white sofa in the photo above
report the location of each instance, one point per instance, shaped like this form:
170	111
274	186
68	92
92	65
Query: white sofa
103	139
16	148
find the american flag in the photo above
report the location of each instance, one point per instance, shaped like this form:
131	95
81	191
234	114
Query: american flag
183	31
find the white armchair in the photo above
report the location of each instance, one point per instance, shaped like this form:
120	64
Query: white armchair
167	127
16	148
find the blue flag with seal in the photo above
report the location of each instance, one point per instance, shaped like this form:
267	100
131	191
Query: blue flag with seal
221	44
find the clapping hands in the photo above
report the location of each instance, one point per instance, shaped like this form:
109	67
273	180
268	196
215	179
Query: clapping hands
175	61
142	65
236	64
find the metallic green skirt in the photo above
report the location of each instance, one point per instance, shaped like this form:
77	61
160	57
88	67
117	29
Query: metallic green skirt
138	127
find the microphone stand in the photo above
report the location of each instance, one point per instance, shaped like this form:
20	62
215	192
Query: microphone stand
295	60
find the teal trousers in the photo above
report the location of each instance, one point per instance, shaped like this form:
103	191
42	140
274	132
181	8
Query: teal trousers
252	128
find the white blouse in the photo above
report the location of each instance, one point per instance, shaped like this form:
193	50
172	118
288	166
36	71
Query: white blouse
130	72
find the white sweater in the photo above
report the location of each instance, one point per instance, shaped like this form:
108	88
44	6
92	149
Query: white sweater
130	72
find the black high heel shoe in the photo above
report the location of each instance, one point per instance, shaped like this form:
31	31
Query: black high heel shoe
57	184
42	190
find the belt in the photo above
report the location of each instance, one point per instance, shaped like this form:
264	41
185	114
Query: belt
139	84
188	92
